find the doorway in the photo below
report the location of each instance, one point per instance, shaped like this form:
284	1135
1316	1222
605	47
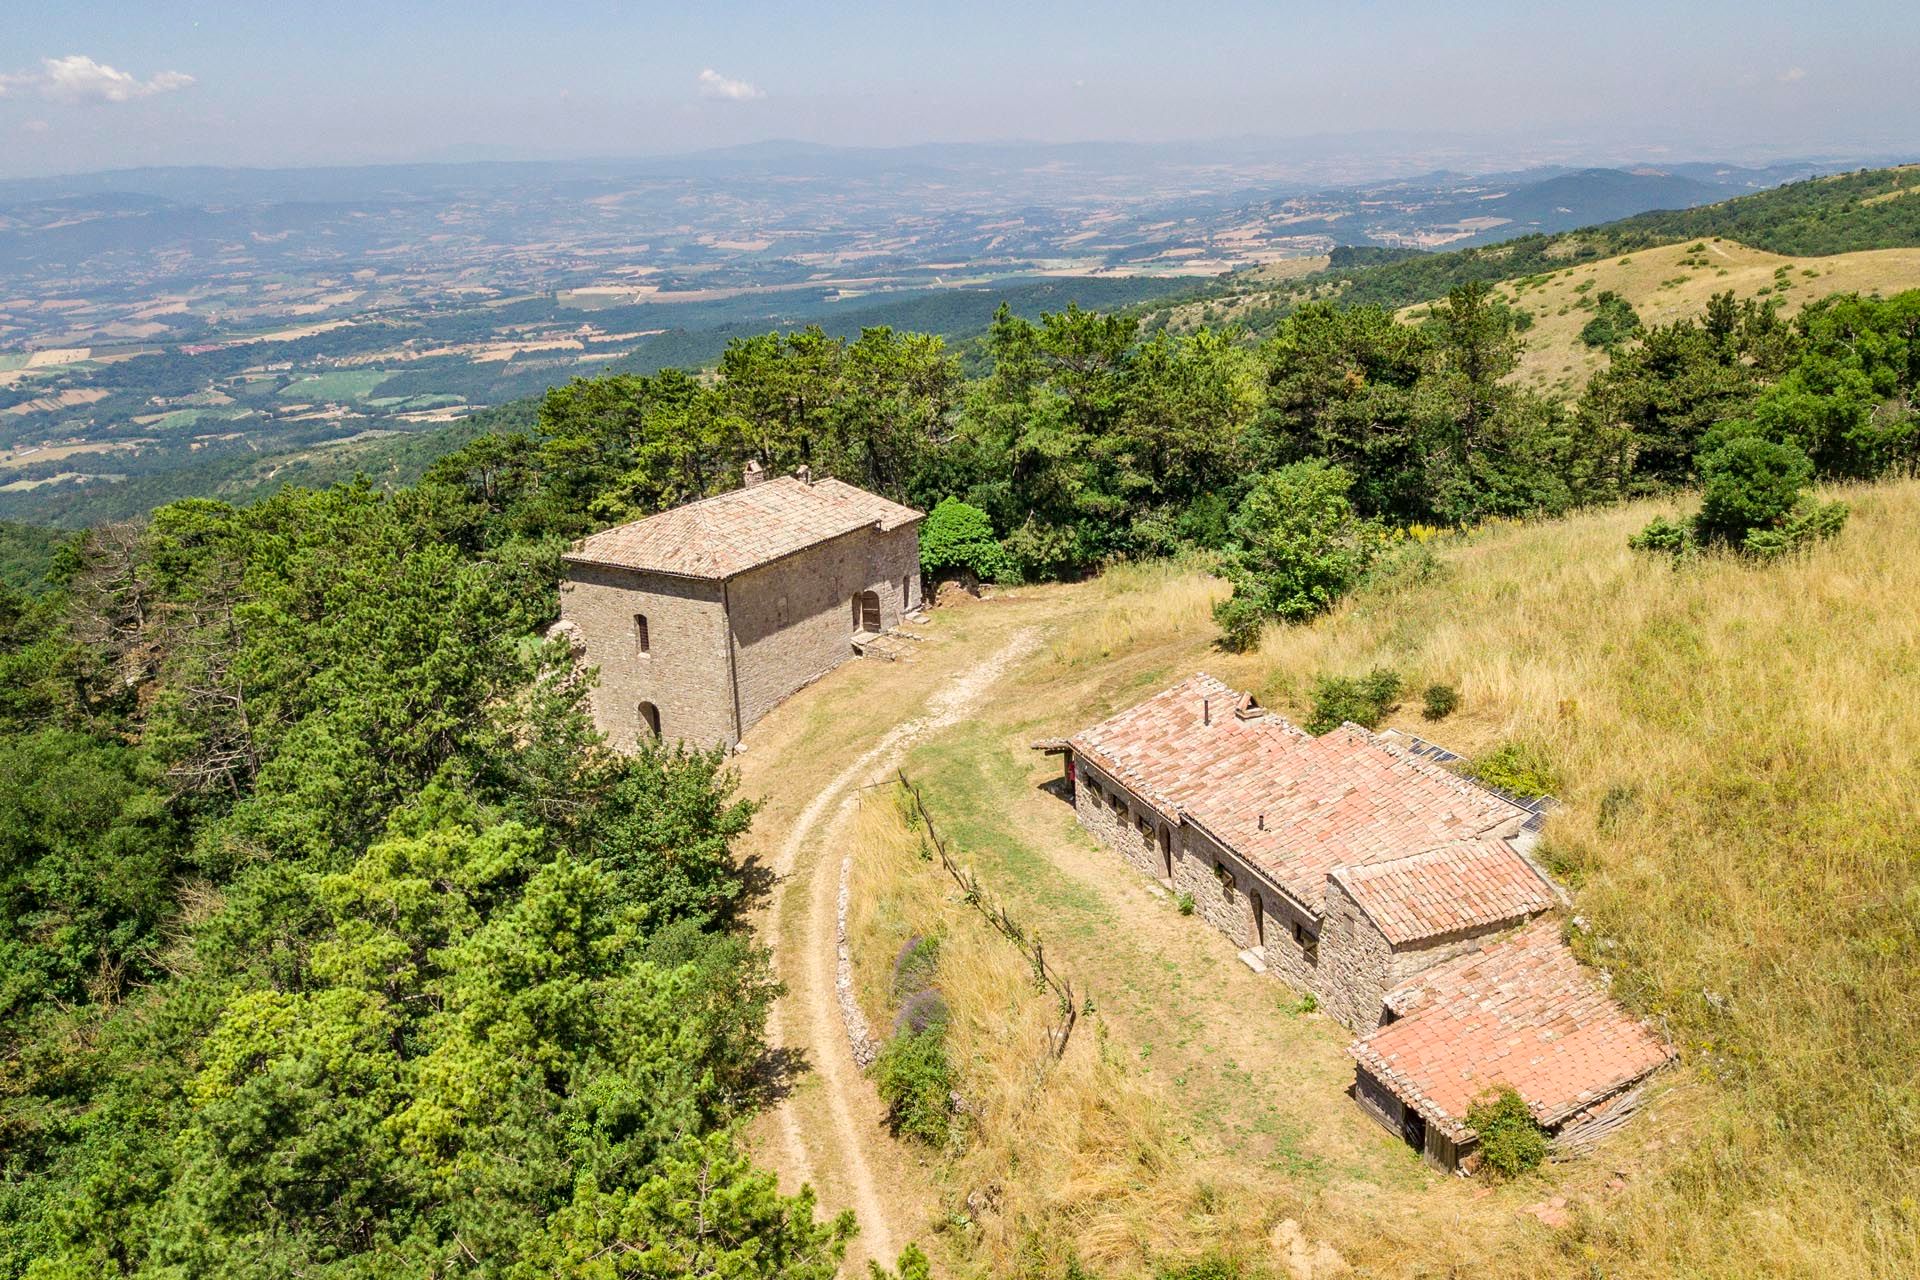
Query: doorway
649	720
866	612
1259	924
1166	853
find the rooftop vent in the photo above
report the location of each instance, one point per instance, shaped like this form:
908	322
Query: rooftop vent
1248	709
754	473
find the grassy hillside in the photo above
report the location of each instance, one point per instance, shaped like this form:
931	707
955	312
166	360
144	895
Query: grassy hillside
1841	213
1673	282
1736	748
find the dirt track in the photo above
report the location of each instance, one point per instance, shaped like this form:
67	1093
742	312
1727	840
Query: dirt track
828	1130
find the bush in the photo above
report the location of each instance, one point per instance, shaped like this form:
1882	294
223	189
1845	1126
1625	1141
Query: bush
924	1010
1662	534
1749	483
913	966
956	536
1185	903
1517	768
1511	1140
1362	700
915	1080
1809	522
1213	1266
1614	321
1241	623
1439	701
1298	547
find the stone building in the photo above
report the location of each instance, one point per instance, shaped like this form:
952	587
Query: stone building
1349	865
700	619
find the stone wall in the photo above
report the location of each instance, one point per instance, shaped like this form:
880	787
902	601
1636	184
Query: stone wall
1356	963
793	620
1113	815
1281	926
684	670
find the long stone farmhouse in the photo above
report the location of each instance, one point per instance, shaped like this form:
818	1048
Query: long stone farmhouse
702	618
1397	892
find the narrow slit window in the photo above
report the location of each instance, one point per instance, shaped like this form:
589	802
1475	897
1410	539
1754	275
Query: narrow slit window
642	640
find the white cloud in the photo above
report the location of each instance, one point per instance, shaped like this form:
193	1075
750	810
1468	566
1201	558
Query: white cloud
1792	74
78	78
715	85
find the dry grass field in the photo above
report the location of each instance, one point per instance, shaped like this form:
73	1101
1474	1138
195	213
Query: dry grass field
1673	282
1736	748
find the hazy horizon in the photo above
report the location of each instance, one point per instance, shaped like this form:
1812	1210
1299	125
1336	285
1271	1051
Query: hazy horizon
121	85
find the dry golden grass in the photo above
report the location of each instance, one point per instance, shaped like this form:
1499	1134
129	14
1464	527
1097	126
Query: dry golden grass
1135	605
1668	283
1062	1161
1738	745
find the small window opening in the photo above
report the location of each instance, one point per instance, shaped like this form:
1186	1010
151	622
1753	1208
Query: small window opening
1309	943
642	639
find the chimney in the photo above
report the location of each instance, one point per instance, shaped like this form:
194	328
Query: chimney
754	473
1261	823
1247	708
1206	711
803	473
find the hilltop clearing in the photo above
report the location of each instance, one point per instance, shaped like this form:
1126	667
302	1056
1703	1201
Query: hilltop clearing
1673	282
1729	749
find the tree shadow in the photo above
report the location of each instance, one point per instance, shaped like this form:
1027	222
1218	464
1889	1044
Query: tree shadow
779	1071
756	884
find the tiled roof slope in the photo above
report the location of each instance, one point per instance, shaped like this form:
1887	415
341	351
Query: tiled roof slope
1522	1012
1340	800
742	529
1182	742
1294	805
1468	884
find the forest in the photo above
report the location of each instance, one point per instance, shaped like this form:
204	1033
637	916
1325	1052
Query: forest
336	944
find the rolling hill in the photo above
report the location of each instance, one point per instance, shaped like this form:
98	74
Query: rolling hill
1871	209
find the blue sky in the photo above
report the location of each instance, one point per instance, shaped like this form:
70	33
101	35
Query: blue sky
101	83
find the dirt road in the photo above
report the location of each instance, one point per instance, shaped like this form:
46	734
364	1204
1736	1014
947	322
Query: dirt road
828	1131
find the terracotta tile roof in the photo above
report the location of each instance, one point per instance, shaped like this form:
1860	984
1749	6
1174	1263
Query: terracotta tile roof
1468	884
1295	806
1340	800
732	532
1522	1012
1183	741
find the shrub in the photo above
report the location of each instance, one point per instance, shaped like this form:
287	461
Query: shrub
1662	534
1809	522
1511	1140
1439	701
913	966
1749	483
1185	903
1517	768
913	1265
924	1010
1241	623
1614	321
1363	700
956	536
915	1080
1297	547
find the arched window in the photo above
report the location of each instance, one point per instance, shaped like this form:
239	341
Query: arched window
642	641
649	720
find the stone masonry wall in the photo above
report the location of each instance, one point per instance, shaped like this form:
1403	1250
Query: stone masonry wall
684	671
1116	825
1356	963
1232	911
793	620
